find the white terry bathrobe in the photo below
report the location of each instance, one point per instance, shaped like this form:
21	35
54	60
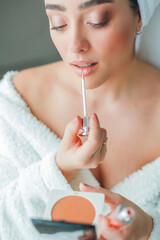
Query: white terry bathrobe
28	171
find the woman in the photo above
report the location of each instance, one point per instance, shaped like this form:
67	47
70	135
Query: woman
40	149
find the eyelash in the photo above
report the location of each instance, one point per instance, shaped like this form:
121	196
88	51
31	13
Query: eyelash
59	28
99	25
96	25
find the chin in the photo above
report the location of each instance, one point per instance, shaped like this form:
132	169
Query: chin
94	82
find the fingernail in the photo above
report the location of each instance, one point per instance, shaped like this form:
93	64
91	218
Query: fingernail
94	116
86	185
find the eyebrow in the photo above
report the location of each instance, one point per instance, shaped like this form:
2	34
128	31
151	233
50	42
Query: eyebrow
82	6
55	7
92	3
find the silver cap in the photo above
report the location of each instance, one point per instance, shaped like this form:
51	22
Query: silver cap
85	129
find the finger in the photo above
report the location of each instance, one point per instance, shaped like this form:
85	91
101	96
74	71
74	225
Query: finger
107	231
103	152
95	130
93	143
70	135
99	156
103	139
104	133
113	199
103	149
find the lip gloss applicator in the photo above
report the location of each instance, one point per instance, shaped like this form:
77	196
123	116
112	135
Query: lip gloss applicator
85	129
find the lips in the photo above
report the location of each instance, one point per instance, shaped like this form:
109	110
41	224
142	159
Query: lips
84	67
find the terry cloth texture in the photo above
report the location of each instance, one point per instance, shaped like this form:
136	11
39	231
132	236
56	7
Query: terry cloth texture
28	171
147	43
147	8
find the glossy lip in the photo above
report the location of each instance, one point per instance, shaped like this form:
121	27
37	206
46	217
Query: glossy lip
84	70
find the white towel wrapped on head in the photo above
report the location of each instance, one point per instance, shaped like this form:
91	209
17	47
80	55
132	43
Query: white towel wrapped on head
147	8
148	42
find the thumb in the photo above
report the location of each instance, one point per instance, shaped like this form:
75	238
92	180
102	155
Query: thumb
103	225
107	231
70	135
113	199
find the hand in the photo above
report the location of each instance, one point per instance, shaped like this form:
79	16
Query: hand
140	228
74	155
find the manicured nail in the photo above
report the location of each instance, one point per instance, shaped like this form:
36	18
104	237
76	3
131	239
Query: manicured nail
94	116
86	185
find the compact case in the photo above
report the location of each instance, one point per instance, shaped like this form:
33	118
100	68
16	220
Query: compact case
75	207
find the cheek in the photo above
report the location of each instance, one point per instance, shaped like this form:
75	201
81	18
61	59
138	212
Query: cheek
59	43
115	41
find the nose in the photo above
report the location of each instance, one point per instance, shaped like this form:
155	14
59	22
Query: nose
78	41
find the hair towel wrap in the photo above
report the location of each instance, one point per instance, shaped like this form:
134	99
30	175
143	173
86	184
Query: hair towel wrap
147	8
148	43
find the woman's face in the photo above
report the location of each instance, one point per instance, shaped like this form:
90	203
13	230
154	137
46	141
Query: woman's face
93	37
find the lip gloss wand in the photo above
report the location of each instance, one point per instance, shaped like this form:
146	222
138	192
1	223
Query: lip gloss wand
85	129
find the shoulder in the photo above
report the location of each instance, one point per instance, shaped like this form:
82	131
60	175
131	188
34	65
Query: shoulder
28	78
34	82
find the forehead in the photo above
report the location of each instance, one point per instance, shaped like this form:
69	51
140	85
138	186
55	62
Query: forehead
62	5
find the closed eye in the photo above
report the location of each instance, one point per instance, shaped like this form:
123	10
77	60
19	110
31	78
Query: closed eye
59	28
98	25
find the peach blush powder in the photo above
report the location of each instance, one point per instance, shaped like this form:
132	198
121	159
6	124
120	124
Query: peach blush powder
73	209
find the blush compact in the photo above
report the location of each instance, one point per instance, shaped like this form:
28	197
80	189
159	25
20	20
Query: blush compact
75	207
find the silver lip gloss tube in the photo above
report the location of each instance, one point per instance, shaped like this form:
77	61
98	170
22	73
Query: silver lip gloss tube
85	128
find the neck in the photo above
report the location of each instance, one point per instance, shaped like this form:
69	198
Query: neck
121	84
